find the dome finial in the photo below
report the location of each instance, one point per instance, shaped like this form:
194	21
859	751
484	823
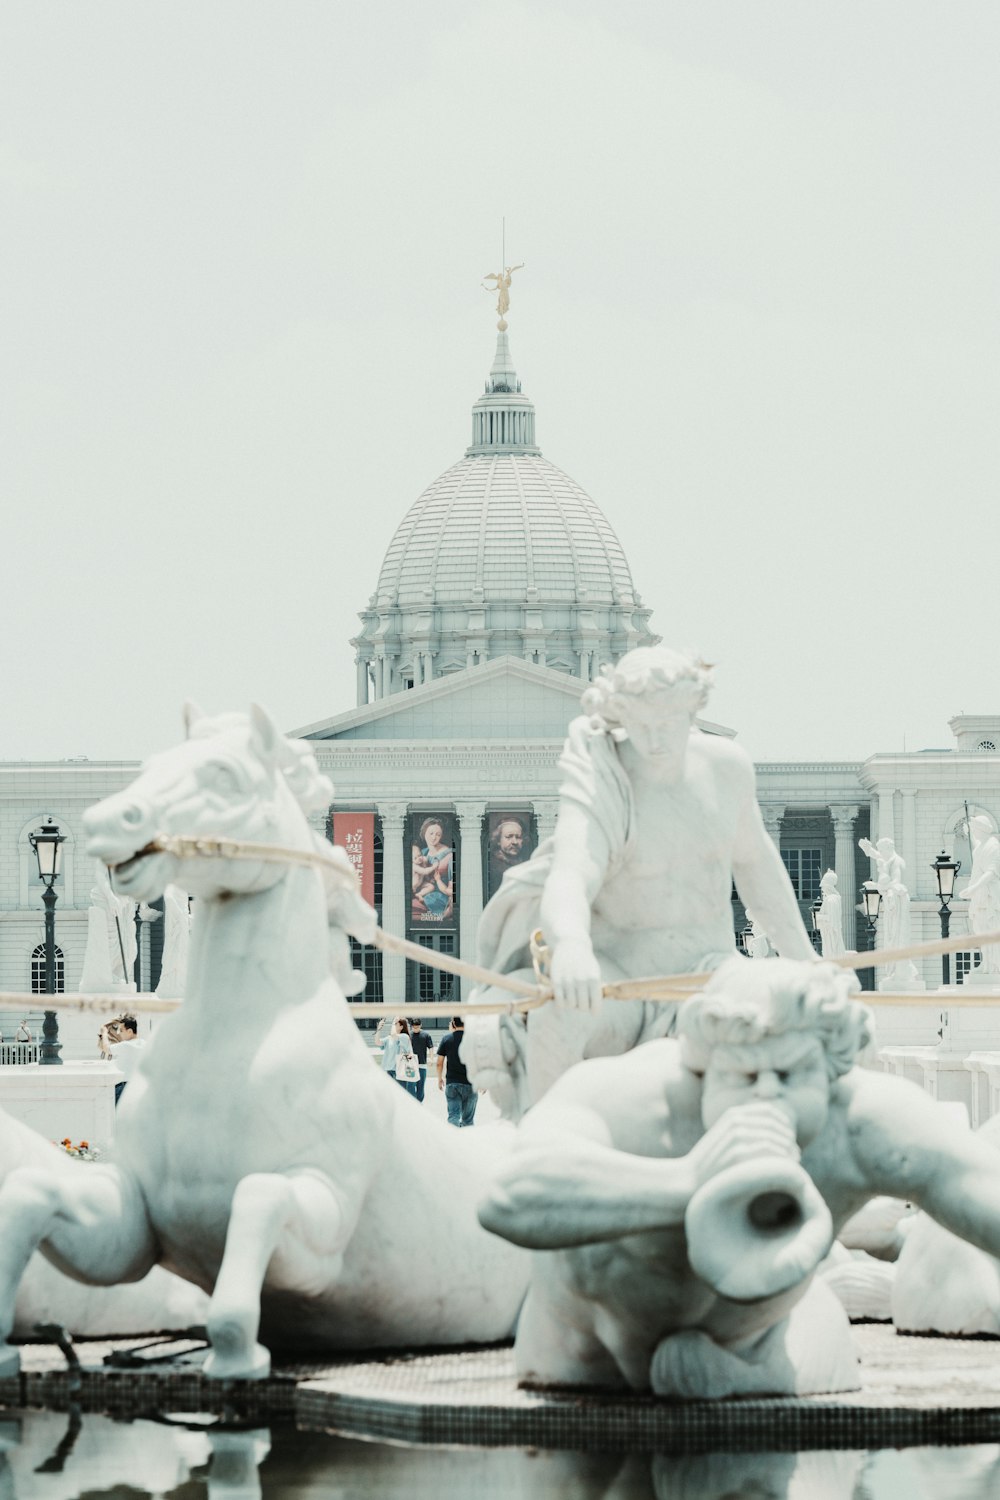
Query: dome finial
501	279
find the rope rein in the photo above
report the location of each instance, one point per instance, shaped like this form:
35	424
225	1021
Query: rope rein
673	988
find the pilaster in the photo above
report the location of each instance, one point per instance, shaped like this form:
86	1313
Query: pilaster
394	892
845	869
470	881
773	816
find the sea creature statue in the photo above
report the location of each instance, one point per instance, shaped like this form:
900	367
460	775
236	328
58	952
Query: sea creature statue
657	820
259	1152
685	1192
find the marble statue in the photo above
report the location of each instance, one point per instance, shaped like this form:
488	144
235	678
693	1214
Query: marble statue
109	960
157	1304
98	977
758	945
501	285
894	913
830	919
942	1284
254	1143
983	896
176	939
656	821
685	1192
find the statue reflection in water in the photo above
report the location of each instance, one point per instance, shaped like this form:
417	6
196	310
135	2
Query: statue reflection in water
166	1459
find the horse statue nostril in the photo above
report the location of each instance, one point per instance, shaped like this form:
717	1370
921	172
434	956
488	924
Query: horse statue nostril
133	816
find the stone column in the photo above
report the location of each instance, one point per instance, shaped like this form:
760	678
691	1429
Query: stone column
362	682
379	677
844	867
908	847
394	896
883	822
772	816
470	882
545	819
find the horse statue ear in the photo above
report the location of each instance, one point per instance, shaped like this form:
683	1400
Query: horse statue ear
265	737
192	713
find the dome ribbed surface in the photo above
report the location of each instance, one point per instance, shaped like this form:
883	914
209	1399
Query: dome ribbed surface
498	527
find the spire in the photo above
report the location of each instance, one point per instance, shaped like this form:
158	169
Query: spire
503	420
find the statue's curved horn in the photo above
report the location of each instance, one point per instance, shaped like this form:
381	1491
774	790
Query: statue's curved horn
192	713
757	1229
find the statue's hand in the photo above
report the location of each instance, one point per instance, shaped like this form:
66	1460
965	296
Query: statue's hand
745	1133
576	975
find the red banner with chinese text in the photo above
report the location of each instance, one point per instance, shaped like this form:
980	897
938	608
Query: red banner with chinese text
355	832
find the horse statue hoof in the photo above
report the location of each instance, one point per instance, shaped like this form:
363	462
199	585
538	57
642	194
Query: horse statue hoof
254	1366
10	1361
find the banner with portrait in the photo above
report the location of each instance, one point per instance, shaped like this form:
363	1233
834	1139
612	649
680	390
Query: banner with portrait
510	840
431	869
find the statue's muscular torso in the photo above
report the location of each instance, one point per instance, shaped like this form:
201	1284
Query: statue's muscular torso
671	893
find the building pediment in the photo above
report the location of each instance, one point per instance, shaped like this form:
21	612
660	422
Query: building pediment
504	698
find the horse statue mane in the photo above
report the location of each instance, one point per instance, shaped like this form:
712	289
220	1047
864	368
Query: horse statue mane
347	911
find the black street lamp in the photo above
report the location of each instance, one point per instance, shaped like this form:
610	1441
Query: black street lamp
47	843
871	901
945	869
814	911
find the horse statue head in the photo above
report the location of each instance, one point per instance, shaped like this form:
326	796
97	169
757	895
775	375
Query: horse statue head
234	777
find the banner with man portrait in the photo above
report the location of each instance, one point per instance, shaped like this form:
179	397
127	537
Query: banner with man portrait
510	840
431	869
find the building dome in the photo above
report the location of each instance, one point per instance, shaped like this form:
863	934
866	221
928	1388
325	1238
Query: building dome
503	555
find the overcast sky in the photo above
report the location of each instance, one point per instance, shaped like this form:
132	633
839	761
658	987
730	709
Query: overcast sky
241	257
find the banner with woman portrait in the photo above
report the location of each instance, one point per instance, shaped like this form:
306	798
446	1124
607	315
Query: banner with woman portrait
431	865
510	840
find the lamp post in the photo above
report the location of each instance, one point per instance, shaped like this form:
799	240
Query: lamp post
47	844
945	870
871	901
814	912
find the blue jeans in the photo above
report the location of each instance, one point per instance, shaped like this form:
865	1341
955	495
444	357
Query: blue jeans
419	1087
411	1088
462	1100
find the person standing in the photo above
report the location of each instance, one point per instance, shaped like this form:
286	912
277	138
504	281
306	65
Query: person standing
398	1045
119	1040
459	1093
422	1045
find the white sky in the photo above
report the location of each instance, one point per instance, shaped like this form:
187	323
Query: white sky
241	256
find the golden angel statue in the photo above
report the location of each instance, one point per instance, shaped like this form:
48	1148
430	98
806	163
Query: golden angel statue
501	280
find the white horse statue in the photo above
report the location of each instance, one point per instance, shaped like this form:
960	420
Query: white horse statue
260	1153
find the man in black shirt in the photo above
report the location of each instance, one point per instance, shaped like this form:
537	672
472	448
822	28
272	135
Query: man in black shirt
422	1044
458	1091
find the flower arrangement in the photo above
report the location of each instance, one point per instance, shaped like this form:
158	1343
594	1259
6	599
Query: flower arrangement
82	1150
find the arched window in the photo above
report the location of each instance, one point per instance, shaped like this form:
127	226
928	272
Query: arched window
986	745
38	971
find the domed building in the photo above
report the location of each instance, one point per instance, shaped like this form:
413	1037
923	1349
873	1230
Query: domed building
503	591
503	555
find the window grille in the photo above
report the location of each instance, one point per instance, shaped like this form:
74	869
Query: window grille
38	971
805	868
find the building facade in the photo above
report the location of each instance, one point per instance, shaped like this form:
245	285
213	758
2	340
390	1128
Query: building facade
502	593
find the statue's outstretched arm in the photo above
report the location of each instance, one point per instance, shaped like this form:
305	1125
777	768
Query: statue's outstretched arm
906	1142
763	884
867	847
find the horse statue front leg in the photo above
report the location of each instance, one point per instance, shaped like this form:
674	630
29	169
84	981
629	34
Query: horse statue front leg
92	1224
299	1213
